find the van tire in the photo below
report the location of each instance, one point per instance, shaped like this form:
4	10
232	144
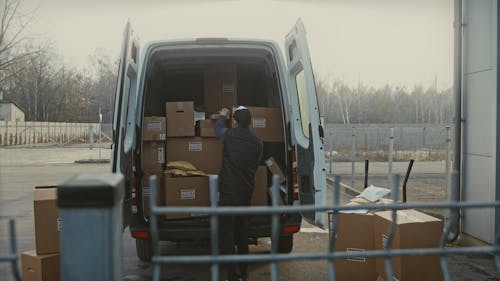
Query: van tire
144	249
285	244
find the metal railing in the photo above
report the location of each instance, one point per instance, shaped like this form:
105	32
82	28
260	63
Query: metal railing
275	210
13	256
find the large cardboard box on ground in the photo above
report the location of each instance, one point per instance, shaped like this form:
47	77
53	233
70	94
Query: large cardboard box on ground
146	192
266	123
47	221
275	169
414	229
354	235
180	119
40	267
186	191
154	129
153	157
220	85
259	196
204	153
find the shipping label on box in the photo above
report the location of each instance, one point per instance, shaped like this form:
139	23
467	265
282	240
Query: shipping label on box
414	230
154	128
146	193
180	119
47	220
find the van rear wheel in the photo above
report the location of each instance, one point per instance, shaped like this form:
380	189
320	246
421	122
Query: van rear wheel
144	249
285	244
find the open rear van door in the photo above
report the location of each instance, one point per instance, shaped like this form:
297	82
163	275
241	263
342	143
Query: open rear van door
124	122
306	124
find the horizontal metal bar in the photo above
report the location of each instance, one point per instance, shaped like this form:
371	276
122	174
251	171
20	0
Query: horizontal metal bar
312	208
8	258
323	256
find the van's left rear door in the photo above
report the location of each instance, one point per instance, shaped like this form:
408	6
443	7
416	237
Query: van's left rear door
124	123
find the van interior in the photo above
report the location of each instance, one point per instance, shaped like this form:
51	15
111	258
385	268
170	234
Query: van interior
178	75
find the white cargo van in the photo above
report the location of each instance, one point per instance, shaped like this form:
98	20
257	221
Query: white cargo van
171	70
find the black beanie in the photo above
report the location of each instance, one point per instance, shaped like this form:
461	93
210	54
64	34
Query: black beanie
242	117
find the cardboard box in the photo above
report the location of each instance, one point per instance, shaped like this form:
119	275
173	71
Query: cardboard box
204	153
180	119
414	229
153	157
275	169
266	123
40	267
354	235
47	221
154	129
259	196
220	85
207	128
146	193
270	196
186	191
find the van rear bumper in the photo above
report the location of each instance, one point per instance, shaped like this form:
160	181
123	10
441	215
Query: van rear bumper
199	229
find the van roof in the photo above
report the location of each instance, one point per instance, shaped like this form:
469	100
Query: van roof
210	41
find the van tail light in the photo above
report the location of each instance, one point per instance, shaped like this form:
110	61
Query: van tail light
291	229
140	234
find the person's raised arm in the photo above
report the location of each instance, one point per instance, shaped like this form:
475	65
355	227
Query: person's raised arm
220	124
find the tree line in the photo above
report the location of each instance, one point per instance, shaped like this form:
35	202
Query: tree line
36	77
342	103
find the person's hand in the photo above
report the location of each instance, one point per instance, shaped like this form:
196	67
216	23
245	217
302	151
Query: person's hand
224	112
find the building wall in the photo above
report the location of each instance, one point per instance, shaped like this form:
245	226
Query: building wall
5	113
16	114
10	112
480	115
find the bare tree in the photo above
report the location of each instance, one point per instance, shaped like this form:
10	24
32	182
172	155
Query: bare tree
12	26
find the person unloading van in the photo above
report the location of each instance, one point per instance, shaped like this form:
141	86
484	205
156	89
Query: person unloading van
242	151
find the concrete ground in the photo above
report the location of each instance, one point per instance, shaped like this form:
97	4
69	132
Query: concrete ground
22	169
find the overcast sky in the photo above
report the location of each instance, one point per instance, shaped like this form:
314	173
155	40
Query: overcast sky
399	42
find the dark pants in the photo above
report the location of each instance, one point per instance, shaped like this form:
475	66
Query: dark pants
233	230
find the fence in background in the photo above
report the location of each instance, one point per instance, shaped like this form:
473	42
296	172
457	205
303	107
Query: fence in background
60	133
372	141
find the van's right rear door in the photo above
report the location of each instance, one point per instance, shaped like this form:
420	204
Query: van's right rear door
306	126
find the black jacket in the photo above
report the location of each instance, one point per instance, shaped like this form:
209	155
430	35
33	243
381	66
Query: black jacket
242	152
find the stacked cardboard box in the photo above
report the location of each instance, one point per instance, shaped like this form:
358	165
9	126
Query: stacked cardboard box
360	232
153	156
414	229
220	85
44	262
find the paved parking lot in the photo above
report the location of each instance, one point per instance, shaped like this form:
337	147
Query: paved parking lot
22	169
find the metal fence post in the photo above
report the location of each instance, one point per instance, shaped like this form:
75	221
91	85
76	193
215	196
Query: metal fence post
91	235
331	153
353	156
447	164
389	158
